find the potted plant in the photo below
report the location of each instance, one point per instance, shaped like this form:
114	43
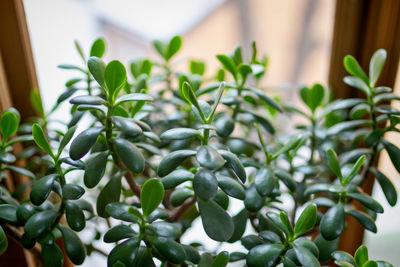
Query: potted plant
160	149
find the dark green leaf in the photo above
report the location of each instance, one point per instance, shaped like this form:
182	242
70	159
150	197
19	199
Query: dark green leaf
179	195
205	184
265	255
332	223
234	162
231	187
24	212
361	255
52	256
83	142
124	253
66	139
228	64
367	201
22	171
239	225
364	219
3	241
305	257
264	181
173	160
72	191
221	259
209	158
216	222
122	212
387	187
95	169
170	249
180	134
130	155
253	201
325	248
8	213
334	163
176	178
97	67
109	194
75	217
394	154
192	254
40	223
127	126
352	66
151	196
73	246
118	233
42	189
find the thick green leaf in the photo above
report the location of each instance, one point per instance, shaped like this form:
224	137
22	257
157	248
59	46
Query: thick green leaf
192	254
127	126
75	217
221	260
367	201
42	189
325	248
66	139
253	201
216	222
24	212
355	169
114	77
234	162
72	191
118	233
37	104
282	222
315	96
225	126
3	241
346	126
306	221
40	223
244	70
40	139
52	256
123	212
364	219
73	246
98	48
170	249
176	178
361	255
305	257
130	155
239	225
265	255
352	67
387	187
87	100
209	158
344	257
286	178
22	171
173	47
83	142
205	184
95	169
376	65
394	154
264	181
180	134
231	187
151	196
356	83
8	213
164	229
334	163
170	162
109	194
133	97
228	64
197	67
97	67
179	195
8	125
124	253
332	223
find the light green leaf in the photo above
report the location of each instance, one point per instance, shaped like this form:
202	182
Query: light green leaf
151	196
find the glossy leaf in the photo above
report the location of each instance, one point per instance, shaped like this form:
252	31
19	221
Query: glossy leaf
387	187
42	189
228	64
176	178
40	139
130	155
364	219
124	253
332	223
40	223
95	169
253	201
234	162
264	181
83	142
72	191
180	134
8	213
52	256
8	125
122	212
109	194
118	233
97	67
394	154
151	196
3	241
205	184
170	249
98	48
376	65
231	187
334	163
173	160
305	257
306	221
216	222
352	67
114	77
367	201
264	255
73	246
75	217
209	158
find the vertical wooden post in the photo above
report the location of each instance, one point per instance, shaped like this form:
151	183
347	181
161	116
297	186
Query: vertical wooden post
361	27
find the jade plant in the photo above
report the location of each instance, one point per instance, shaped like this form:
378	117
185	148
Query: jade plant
146	152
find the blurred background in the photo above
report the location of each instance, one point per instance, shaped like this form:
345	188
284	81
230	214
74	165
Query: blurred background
295	35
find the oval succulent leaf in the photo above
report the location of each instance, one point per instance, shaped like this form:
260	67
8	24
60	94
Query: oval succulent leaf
95	169
118	233
170	249
114	77
75	216
216	221
264	181
306	221
231	187
124	253
73	246
367	201
72	191
151	196
176	178
42	189
8	213
98	48
205	184
264	255
180	134
40	223
8	124
394	154
130	155
97	67
387	187
109	194
253	201
52	255
127	126
234	162
83	142
173	160
87	100
122	212
332	223
40	139
209	158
